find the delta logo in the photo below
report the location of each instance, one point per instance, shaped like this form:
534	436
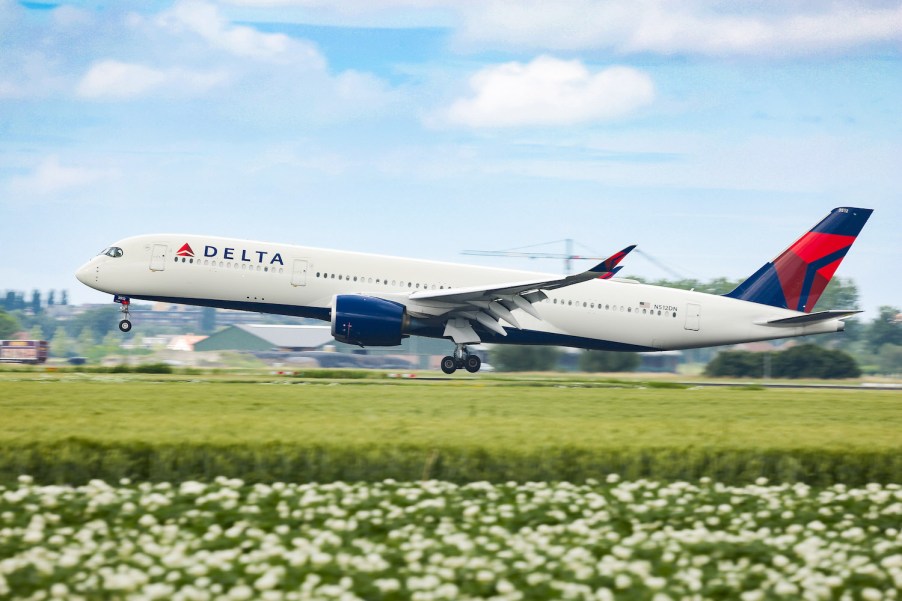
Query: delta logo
234	254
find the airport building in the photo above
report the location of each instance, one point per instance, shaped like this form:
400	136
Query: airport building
286	343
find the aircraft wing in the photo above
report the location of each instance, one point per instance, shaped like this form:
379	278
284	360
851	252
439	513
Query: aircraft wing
488	305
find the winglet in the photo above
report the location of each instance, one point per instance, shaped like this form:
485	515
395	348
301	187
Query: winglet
611	262
610	274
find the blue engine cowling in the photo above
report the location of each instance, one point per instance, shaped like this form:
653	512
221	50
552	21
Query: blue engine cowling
367	320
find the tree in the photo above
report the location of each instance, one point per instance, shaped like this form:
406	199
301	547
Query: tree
524	358
803	361
608	361
99	321
65	300
811	361
9	325
738	364
51	298
36	306
840	293
886	329
85	341
890	359
62	345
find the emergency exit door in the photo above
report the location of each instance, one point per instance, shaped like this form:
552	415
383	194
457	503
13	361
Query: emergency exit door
158	257
693	316
299	273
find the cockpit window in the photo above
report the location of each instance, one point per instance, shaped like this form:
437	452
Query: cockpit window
113	251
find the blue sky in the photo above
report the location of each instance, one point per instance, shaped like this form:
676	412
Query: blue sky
711	134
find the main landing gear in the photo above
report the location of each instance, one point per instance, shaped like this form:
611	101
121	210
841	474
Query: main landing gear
125	325
462	359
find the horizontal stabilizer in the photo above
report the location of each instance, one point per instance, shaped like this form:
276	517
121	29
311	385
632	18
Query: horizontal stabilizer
809	318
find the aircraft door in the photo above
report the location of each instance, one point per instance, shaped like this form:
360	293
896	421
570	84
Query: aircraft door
158	258
693	316
299	273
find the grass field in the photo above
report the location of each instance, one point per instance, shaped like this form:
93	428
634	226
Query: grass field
72	427
263	487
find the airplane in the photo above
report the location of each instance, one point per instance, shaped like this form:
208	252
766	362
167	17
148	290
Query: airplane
374	300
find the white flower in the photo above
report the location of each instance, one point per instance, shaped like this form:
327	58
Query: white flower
59	591
241	593
267	581
485	576
387	585
604	594
785	588
871	594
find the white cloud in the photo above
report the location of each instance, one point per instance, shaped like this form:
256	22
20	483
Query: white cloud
550	91
207	21
111	79
50	177
694	27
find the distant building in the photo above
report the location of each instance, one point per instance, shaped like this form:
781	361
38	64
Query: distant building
184	343
660	361
286	342
259	337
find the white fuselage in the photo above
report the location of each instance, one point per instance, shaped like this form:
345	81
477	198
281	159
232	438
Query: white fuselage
295	280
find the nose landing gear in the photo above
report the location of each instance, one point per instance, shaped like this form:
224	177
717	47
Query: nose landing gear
125	325
462	359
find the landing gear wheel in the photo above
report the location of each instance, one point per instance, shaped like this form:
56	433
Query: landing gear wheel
473	363
449	365
125	325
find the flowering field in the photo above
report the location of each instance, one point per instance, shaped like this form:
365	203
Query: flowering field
436	540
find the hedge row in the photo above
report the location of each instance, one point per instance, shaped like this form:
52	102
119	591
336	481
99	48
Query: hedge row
76	461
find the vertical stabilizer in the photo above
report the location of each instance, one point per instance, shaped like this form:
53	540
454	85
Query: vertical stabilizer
796	278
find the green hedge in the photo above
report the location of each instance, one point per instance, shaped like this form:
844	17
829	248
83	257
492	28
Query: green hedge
76	461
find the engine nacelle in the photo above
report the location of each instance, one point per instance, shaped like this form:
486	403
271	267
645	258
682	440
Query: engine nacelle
367	320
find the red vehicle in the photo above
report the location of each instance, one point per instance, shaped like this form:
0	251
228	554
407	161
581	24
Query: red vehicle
23	351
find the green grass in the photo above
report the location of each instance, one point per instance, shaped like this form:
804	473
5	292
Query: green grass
71	427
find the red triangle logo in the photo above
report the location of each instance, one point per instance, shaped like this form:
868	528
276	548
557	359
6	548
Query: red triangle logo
185	251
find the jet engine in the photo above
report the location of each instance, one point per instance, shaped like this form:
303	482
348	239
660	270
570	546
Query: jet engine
367	320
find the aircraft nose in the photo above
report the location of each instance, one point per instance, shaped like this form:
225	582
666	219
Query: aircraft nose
87	274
